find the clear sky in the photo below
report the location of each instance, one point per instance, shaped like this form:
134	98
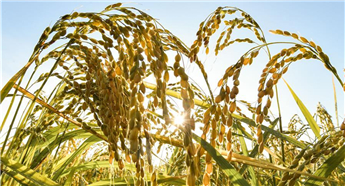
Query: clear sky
323	22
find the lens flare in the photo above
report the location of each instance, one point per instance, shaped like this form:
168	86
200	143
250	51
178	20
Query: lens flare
179	120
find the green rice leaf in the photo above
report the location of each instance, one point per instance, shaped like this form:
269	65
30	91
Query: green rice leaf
86	144
168	180
271	131
228	169
19	178
95	165
6	89
327	167
312	123
253	179
26	172
70	177
48	147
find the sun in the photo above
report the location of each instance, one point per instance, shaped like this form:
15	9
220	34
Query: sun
179	120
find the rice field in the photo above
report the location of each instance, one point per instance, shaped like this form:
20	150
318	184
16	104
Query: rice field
121	95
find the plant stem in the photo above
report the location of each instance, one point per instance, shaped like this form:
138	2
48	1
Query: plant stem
280	124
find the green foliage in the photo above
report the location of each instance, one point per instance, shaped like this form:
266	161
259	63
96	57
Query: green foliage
306	113
26	172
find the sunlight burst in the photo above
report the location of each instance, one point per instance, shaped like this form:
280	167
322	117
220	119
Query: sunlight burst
179	120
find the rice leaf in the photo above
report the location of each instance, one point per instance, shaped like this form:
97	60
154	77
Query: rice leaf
94	165
19	178
271	131
47	148
327	167
27	172
227	168
86	144
170	180
253	179
70	177
312	123
6	89
335	102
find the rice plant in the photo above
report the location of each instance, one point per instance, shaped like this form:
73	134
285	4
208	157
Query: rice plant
115	102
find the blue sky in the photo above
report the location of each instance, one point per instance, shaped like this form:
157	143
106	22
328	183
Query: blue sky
322	22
